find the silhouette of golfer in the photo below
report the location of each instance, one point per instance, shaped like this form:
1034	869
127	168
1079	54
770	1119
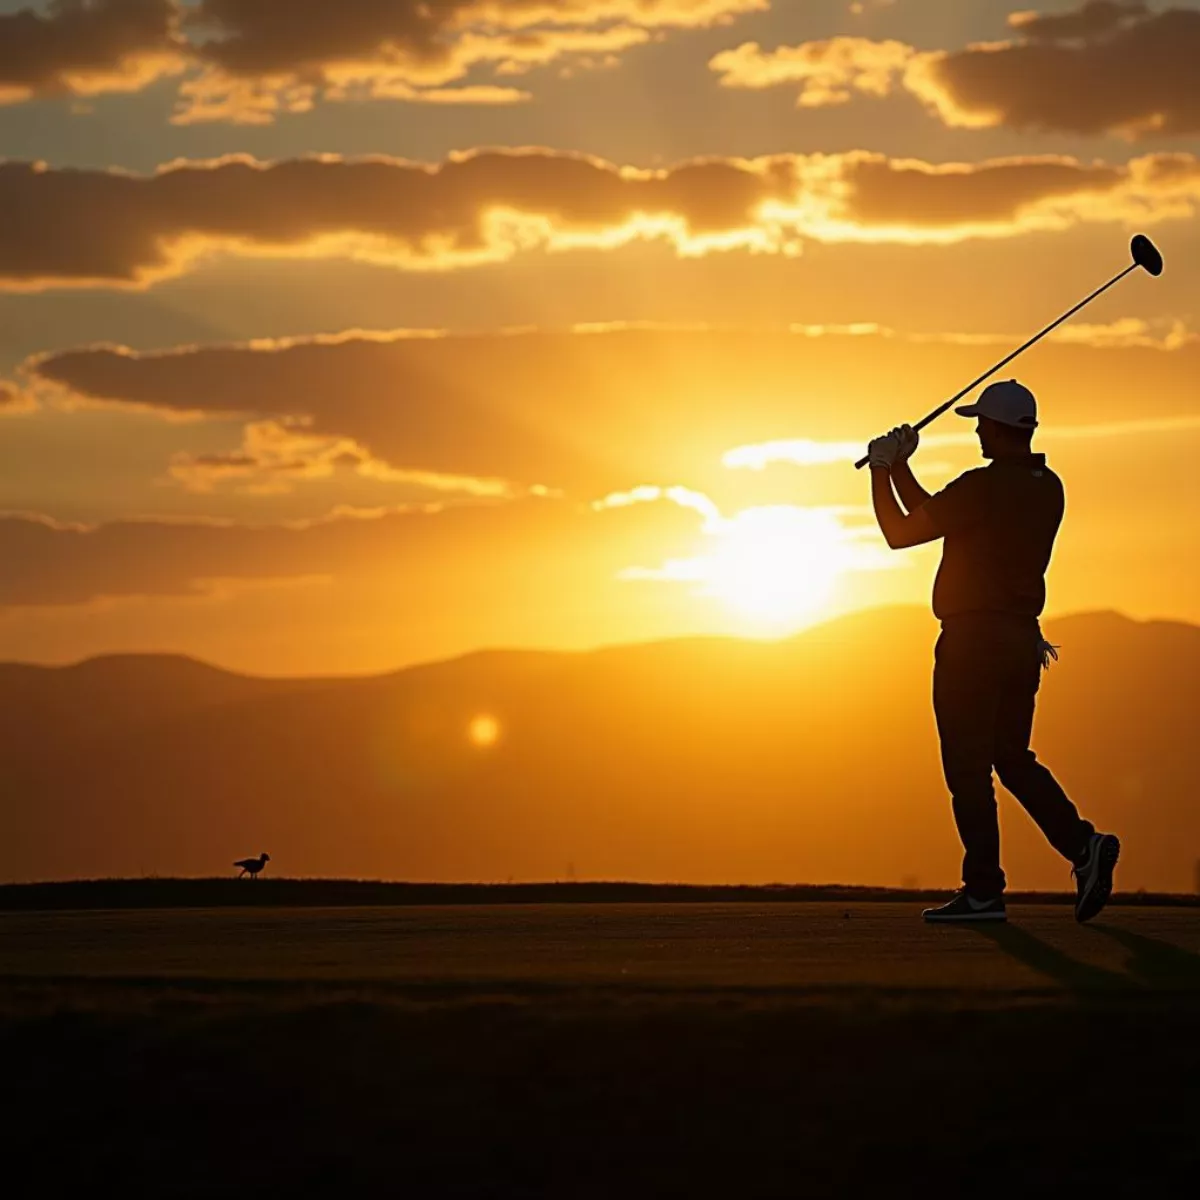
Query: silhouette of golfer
998	524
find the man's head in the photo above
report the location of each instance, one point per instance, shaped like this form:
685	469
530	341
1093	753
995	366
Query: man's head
1007	413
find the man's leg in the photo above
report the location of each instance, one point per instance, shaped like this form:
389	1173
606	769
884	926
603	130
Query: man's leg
1029	781
965	699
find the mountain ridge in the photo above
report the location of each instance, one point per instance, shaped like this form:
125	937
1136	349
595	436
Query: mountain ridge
191	662
710	759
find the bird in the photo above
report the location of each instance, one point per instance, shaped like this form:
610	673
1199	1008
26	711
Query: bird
253	865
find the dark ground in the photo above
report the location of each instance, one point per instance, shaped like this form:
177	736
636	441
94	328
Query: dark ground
601	1050
272	892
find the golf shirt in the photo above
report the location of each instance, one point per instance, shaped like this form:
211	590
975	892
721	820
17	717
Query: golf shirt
999	523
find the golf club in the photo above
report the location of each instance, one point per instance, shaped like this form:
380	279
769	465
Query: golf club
1145	255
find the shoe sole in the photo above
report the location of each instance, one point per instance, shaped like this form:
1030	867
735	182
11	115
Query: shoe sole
1097	894
966	918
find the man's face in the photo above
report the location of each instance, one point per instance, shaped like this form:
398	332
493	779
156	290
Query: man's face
986	430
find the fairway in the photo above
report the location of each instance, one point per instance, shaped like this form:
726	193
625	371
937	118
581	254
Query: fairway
595	1050
792	949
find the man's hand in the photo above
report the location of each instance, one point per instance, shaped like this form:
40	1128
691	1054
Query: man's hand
912	494
909	440
884	451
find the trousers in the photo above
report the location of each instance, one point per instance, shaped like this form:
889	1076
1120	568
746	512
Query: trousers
986	675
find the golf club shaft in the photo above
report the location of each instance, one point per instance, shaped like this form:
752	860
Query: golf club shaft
1037	337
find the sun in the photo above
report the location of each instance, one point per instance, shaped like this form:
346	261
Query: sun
776	566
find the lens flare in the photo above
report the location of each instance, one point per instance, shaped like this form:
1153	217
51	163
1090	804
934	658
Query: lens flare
483	731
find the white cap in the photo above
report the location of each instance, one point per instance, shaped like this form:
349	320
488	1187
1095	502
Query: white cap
1009	402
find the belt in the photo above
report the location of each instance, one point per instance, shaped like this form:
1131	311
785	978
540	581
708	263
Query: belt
984	617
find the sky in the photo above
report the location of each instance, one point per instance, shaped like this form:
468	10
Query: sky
340	337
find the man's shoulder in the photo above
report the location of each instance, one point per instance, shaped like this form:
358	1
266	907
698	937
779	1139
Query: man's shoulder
975	477
1032	485
962	489
1038	467
961	503
1054	480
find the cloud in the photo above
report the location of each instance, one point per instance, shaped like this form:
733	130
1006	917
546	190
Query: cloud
476	207
470	547
248	61
805	453
86	47
269	459
250	102
1130	331
873	198
248	38
552	409
774	563
14	399
488	206
900	193
1095	18
465	417
649	494
1106	67
274	456
262	61
827	71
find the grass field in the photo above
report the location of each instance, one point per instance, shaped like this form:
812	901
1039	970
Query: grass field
703	1049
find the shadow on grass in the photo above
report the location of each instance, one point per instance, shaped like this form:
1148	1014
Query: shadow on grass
1154	962
1080	978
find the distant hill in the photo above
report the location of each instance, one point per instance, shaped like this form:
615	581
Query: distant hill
115	693
707	760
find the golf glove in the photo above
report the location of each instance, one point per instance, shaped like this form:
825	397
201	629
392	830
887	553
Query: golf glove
909	440
884	451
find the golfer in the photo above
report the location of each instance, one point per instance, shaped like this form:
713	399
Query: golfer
998	524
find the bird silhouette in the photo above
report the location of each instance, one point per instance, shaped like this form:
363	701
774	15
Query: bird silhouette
252	865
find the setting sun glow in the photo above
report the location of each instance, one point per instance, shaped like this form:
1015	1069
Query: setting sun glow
776	565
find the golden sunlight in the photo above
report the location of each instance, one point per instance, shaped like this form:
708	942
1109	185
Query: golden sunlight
776	566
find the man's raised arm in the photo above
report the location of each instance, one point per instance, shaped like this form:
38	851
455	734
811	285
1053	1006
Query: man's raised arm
912	494
899	531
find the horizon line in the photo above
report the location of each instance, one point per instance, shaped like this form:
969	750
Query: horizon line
578	652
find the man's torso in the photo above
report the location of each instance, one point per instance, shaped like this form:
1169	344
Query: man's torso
999	524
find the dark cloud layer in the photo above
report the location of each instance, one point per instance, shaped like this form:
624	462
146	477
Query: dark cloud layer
12	399
1101	69
456	548
247	37
88	227
887	191
1107	67
586	413
79	46
248	60
116	227
1095	18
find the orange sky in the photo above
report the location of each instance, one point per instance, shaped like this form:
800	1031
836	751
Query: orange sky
339	337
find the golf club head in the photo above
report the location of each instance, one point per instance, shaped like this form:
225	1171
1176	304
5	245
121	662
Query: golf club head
1146	254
